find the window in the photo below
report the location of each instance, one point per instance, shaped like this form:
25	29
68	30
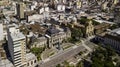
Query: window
34	61
28	64
31	62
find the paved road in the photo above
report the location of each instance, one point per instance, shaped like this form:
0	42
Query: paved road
61	56
88	48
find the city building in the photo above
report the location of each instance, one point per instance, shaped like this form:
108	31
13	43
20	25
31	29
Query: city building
88	30
60	7
55	36
100	31
115	2
1	31
31	60
44	10
4	2
17	47
101	28
5	63
2	51
117	13
104	6
39	42
20	10
112	38
79	4
56	26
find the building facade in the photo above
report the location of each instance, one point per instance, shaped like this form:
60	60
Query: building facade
1	31
113	39
79	4
56	36
20	10
39	42
88	30
17	48
31	60
2	51
117	13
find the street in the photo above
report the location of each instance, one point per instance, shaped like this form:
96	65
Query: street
61	56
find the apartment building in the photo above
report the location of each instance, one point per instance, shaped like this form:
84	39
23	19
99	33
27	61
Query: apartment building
1	31
17	47
20	10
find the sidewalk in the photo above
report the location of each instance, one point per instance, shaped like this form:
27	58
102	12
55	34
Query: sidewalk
83	43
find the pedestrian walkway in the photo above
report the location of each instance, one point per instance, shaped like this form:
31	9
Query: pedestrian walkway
83	43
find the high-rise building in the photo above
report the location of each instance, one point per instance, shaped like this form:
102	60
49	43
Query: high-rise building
17	47
1	31
20	10
4	62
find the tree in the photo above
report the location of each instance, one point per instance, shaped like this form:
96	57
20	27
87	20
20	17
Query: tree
95	64
58	65
79	64
83	20
75	35
102	57
37	51
66	64
114	26
118	64
109	64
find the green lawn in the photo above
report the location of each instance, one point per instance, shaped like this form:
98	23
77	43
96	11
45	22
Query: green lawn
52	53
68	46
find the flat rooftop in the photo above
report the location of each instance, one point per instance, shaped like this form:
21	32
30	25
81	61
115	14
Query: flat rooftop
30	56
17	36
5	63
117	31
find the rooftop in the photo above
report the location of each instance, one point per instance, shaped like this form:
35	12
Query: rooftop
117	31
53	30
5	63
30	56
102	25
114	34
17	36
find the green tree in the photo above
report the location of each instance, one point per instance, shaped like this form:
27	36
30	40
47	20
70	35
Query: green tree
102	57
118	64
37	52
79	64
58	65
83	20
109	64
76	34
114	26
